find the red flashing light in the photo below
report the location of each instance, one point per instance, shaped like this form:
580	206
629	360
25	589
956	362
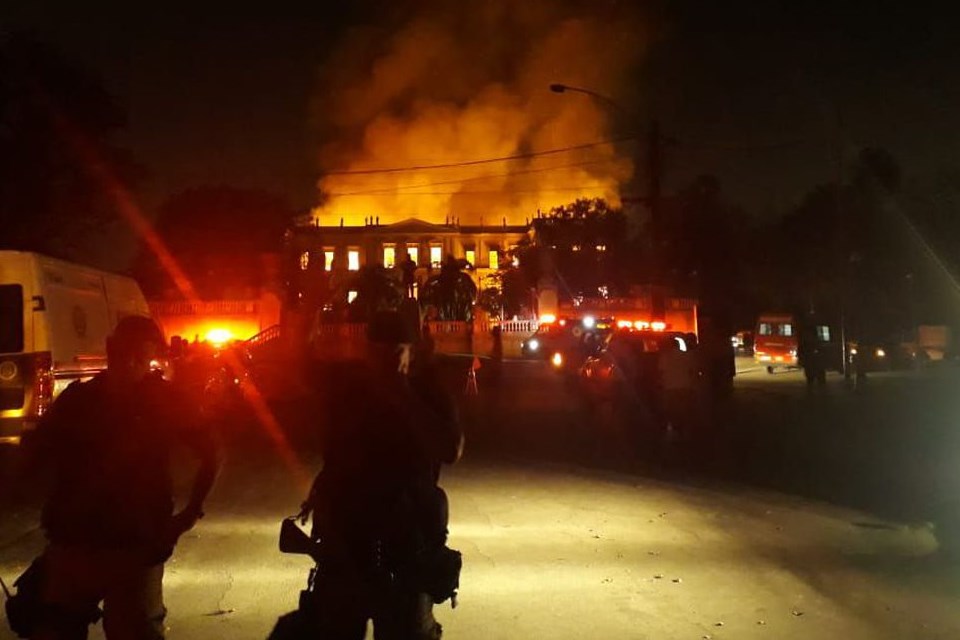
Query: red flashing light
43	384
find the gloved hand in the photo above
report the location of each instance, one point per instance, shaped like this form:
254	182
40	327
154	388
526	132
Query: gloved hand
182	522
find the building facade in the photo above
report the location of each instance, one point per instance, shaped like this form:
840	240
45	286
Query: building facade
340	249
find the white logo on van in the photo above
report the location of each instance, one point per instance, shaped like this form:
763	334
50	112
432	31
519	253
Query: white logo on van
8	370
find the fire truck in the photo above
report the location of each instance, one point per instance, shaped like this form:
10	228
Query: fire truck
581	328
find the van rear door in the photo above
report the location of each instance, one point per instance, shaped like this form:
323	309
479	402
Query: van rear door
11	347
11	318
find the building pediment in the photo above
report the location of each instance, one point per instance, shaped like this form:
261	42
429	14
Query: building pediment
416	225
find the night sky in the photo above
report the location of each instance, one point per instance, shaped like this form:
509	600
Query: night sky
750	91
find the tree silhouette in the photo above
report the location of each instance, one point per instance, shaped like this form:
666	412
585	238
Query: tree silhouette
849	246
58	165
451	292
377	290
583	245
217	234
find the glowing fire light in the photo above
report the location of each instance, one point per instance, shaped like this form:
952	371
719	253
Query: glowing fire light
218	337
548	318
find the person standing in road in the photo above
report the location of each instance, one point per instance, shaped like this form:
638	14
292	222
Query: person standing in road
678	372
810	356
109	517
378	514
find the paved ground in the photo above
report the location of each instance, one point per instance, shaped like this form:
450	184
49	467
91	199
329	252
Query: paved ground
554	552
558	545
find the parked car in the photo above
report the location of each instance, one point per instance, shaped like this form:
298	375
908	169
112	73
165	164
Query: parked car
869	356
742	342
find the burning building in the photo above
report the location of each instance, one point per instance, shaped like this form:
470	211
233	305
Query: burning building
440	136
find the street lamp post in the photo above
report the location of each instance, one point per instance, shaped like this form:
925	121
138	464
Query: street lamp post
556	87
655	147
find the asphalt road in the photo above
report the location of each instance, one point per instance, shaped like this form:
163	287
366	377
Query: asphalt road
562	538
559	552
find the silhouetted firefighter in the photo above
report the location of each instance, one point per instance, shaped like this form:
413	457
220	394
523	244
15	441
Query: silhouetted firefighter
379	519
812	357
109	517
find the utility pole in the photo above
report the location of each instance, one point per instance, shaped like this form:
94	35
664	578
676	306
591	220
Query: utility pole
655	144
655	173
846	266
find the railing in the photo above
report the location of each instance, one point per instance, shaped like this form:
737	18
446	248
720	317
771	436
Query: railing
267	335
341	330
519	326
201	308
612	305
436	328
448	327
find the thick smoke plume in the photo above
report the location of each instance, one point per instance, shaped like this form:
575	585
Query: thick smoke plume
462	81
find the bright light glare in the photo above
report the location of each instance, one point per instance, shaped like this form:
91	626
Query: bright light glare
534	344
624	324
589	322
557	359
219	336
658	326
881	353
641	325
548	318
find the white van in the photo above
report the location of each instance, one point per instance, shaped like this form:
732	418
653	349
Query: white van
55	317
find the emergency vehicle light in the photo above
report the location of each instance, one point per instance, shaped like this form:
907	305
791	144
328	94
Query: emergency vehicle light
548	318
658	326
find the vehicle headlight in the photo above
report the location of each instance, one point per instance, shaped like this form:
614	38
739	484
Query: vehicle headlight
533	345
881	353
557	359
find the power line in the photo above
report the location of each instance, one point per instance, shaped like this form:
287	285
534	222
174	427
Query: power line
470	163
506	174
482	192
